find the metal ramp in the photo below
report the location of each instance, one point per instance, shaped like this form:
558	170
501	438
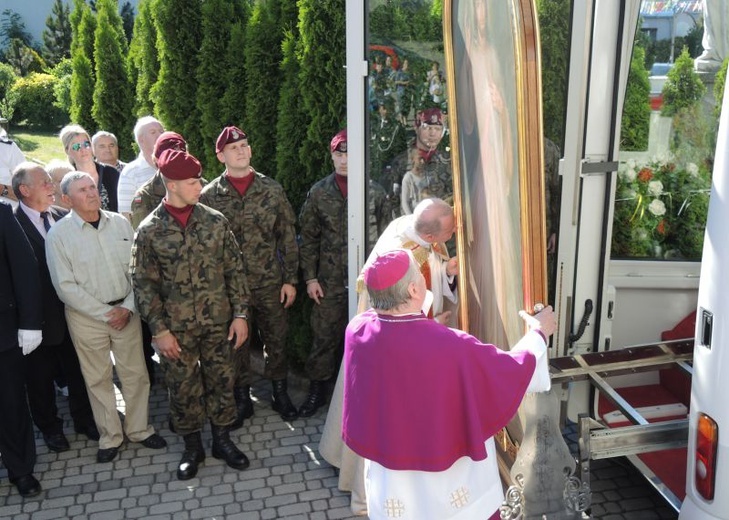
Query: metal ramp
596	439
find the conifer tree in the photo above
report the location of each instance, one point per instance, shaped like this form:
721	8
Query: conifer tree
233	107
83	25
178	24
217	16
322	81
143	62
57	34
112	107
263	79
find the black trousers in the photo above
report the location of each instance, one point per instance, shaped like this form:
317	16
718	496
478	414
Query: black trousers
42	367
17	444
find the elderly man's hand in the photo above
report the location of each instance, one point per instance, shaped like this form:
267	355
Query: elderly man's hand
118	317
544	321
452	266
443	318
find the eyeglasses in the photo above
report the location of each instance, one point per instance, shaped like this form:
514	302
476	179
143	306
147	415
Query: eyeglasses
77	146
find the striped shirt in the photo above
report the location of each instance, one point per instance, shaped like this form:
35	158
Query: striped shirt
132	177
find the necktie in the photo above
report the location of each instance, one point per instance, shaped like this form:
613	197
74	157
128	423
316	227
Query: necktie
46	220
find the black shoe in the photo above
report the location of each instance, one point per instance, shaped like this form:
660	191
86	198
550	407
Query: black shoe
90	430
243	405
171	425
56	442
281	402
315	399
193	455
28	485
154	442
224	449
106	455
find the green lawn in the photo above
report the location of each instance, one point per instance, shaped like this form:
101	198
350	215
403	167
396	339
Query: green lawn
40	146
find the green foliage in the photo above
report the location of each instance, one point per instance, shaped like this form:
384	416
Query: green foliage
112	100
127	16
12	27
233	108
216	26
178	24
554	22
401	19
23	59
290	127
33	100
263	81
143	62
683	88
62	89
7	78
321	81
660	209
719	84
57	34
83	26
637	109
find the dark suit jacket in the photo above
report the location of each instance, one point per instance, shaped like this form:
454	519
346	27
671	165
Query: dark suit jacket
109	177
54	320
20	291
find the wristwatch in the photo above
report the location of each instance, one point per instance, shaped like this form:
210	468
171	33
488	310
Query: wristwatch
242	316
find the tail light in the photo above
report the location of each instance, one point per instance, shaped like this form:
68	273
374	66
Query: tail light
707	440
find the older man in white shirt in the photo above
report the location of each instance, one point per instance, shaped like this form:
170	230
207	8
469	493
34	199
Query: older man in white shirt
141	169
88	254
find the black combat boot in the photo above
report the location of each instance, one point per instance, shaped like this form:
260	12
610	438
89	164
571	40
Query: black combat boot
281	402
315	399
193	455
243	405
224	449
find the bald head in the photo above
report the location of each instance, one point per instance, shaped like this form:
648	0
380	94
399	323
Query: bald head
434	220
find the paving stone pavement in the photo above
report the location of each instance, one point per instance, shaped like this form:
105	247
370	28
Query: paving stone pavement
286	479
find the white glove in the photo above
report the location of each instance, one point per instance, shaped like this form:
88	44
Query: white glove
29	340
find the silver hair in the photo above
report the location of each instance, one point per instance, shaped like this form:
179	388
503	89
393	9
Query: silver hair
20	176
56	165
68	132
141	123
428	214
396	295
102	133
70	178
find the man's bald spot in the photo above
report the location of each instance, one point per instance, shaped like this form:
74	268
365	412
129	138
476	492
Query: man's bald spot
428	215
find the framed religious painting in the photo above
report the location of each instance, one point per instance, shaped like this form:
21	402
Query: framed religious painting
494	100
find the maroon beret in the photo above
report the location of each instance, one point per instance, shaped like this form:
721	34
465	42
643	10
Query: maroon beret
168	141
230	134
177	165
430	116
339	142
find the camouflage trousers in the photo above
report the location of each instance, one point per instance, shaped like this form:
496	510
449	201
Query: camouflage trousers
200	383
328	321
271	320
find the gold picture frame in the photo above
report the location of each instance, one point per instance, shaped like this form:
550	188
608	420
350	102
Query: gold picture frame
494	99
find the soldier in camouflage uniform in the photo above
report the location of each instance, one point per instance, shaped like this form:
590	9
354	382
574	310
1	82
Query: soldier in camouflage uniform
435	168
151	193
189	285
323	260
263	222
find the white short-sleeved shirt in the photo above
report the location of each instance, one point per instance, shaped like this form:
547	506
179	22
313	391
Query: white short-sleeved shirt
132	177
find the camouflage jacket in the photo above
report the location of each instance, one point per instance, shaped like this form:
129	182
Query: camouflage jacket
264	225
323	221
437	176
189	278
147	198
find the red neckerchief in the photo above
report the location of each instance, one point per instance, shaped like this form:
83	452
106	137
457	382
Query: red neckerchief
342	183
181	215
241	184
426	154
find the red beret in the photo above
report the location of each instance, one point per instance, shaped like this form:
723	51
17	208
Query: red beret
339	142
230	134
430	116
386	270
177	165
169	141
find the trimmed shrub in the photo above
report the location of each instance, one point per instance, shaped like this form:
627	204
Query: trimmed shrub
34	102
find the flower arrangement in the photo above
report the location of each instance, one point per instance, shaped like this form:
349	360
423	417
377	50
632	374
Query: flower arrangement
660	209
